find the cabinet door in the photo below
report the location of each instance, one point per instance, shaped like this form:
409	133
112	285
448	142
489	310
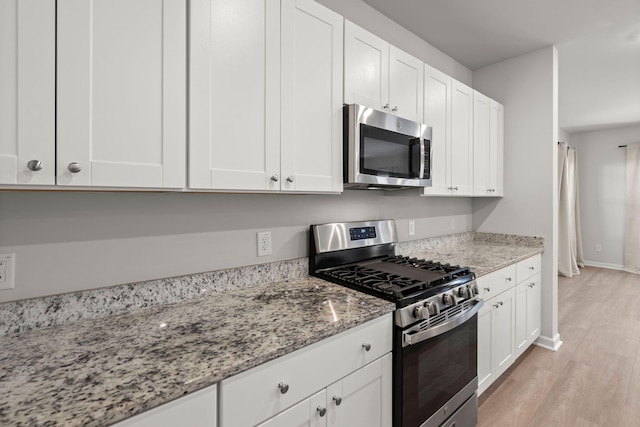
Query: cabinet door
366	68
503	328
485	353
234	116
496	148
461	139
311	79
365	397
406	80
304	414
521	332
27	91
534	307
197	409
437	114
121	93
481	148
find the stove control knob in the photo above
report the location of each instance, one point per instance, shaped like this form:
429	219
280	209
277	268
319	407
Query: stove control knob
422	311
464	292
474	289
448	299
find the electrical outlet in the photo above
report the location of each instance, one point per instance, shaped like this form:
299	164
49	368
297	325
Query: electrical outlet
598	247
264	243
7	269
412	227
453	223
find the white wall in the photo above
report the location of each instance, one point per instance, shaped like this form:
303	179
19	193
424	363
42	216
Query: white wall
375	22
527	87
602	183
68	241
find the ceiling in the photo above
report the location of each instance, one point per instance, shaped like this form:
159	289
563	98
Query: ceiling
598	47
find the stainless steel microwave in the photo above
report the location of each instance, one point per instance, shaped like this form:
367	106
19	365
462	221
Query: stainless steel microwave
384	151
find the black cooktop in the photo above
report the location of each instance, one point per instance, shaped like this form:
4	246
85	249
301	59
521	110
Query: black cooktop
398	278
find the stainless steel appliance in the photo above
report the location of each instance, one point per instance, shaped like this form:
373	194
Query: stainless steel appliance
435	328
384	151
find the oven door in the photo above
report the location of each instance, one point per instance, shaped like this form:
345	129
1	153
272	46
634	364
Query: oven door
435	376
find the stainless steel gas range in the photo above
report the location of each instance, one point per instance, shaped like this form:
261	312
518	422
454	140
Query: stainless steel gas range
436	323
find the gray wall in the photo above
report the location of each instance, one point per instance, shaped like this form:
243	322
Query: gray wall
68	241
527	87
602	183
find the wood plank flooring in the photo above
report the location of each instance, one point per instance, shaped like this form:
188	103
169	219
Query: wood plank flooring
594	378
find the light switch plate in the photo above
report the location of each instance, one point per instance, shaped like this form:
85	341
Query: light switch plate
7	271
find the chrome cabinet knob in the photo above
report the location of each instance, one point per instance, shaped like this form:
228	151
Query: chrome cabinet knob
386	106
496	305
74	167
34	165
366	346
455	188
284	388
532	268
394	109
337	400
531	285
508	279
487	289
275	177
290	178
321	411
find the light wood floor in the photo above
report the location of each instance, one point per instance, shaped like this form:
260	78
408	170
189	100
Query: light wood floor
594	378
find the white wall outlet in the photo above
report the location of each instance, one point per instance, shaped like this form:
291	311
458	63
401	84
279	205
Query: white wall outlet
412	227
7	271
453	223
264	243
598	247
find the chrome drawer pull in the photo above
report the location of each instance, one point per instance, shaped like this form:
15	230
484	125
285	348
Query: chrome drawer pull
284	388
366	347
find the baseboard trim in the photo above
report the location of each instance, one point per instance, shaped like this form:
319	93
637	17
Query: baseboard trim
604	265
552	344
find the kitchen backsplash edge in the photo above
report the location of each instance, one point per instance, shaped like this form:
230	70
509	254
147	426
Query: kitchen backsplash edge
24	315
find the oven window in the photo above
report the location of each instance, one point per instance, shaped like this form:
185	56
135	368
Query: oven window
386	153
435	370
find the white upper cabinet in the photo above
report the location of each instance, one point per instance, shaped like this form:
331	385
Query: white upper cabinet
481	186
496	148
265	96
437	114
381	76
311	88
27	92
461	139
121	93
234	115
406	85
366	68
487	146
449	110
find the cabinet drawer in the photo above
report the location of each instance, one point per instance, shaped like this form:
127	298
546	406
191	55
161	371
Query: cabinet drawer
529	267
253	396
499	281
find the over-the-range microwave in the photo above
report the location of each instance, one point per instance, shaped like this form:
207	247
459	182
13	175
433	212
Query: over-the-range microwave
384	151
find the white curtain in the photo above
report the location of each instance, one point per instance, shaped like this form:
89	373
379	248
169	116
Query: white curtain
632	226
570	255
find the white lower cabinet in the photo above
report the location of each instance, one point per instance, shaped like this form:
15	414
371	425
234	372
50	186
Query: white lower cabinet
353	366
198	409
509	322
360	399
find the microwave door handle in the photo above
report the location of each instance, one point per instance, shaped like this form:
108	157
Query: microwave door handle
411	339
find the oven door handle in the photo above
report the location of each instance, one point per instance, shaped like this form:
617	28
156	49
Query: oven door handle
410	339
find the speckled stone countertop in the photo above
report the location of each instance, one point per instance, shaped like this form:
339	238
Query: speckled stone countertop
100	371
483	252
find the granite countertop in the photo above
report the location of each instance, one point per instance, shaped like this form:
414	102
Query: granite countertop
100	371
482	257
